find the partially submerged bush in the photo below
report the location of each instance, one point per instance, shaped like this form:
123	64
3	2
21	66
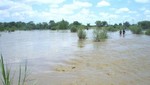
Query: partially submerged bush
136	30
73	28
100	35
147	32
81	33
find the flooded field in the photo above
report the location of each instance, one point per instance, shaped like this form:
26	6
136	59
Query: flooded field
59	58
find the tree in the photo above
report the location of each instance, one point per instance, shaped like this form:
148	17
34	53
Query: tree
76	23
45	25
98	23
51	24
104	23
63	24
88	25
144	24
126	24
30	25
120	24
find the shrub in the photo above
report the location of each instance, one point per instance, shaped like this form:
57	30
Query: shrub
81	33
111	28
136	29
54	28
73	28
147	32
100	35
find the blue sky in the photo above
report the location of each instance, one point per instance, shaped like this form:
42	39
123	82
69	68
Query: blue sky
84	11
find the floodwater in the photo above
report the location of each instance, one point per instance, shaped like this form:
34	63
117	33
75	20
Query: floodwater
59	58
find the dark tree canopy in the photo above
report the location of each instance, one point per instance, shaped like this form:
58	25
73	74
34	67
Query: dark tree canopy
144	24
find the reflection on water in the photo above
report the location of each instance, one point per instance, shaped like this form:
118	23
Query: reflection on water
43	49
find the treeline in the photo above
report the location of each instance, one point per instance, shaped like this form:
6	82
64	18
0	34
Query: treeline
63	24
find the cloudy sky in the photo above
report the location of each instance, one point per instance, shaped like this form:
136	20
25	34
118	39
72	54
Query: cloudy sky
85	11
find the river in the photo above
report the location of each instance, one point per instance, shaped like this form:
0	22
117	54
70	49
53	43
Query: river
59	54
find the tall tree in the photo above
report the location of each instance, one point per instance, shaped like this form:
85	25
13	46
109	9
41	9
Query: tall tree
144	24
126	24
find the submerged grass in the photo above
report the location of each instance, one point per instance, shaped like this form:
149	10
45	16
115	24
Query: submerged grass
81	33
100	35
7	78
136	29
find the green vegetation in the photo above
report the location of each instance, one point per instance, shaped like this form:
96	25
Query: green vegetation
144	24
101	23
63	25
112	28
147	32
73	28
8	77
100	35
81	32
136	29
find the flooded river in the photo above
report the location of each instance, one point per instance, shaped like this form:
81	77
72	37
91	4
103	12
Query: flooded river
59	58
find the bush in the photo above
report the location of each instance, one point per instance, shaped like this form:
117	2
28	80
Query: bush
54	28
81	33
100	35
73	28
111	28
147	32
136	30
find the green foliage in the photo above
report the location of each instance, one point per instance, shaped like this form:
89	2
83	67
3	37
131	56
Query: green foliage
147	32
73	28
6	74
63	25
126	24
76	23
81	32
100	35
101	23
144	24
55	27
6	80
136	29
112	28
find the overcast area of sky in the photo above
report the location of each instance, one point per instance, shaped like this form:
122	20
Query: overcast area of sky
84	11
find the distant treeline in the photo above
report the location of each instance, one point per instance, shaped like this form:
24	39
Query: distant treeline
63	24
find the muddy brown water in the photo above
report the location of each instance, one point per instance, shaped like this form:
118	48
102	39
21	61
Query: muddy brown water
59	58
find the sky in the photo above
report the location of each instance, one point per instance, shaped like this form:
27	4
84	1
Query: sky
84	11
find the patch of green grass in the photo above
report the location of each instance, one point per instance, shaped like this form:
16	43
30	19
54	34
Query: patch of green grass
111	29
100	35
7	78
136	29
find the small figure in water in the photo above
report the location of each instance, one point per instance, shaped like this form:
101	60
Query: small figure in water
124	32
120	32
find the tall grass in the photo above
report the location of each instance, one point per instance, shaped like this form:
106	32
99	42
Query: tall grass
7	78
81	33
147	32
100	35
136	29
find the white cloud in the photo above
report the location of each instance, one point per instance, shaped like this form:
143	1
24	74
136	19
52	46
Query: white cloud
103	3
142	1
43	1
70	8
123	10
